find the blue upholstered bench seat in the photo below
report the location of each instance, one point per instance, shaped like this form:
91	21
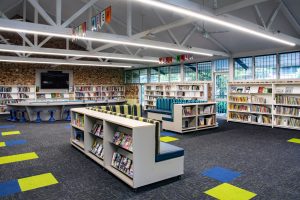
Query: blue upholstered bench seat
165	112
168	151
169	119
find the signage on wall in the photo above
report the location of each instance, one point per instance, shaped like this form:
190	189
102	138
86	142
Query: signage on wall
97	23
179	58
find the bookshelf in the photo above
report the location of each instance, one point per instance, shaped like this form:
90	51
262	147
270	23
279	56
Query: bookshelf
15	94
192	117
124	147
54	96
99	92
274	103
188	91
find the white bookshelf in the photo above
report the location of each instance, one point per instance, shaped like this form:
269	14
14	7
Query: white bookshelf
142	154
274	103
192	117
187	91
100	92
15	94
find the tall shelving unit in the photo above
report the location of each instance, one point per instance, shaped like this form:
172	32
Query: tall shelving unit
99	92
188	91
132	161
275	104
15	94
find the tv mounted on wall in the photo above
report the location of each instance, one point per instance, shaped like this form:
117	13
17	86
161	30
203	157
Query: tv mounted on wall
54	80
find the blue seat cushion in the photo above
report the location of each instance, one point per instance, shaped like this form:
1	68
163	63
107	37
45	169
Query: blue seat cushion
169	118
160	111
168	151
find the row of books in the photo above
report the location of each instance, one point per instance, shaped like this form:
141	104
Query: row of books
88	94
123	140
239	107
97	130
97	149
243	99
290	100
88	88
239	99
5	89
188	111
5	96
79	120
262	109
112	88
286	90
257	118
23	89
293	122
251	89
122	163
206	121
208	109
255	99
23	96
287	111
188	123
4	102
79	135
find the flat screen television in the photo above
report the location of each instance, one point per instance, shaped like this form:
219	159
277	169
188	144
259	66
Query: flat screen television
54	80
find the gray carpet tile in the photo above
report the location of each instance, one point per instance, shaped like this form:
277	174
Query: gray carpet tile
269	166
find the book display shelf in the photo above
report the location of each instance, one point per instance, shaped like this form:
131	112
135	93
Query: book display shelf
125	147
15	94
275	104
192	117
197	91
54	96
99	92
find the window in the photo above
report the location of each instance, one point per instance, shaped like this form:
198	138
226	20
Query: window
243	68
164	74
265	67
154	75
290	65
135	76
143	75
222	65
190	72
128	76
175	73
204	71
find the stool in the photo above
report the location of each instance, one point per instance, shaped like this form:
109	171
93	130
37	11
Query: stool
38	116
52	119
12	117
22	118
68	117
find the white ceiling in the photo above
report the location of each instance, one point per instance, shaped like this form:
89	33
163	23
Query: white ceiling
144	18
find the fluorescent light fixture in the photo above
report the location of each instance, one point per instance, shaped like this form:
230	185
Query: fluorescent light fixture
61	63
193	14
77	55
113	41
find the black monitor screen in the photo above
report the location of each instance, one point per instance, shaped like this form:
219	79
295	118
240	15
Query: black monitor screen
54	80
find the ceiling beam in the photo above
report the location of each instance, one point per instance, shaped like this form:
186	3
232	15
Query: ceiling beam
291	18
260	16
76	53
12	6
78	13
237	6
58	12
274	15
50	61
42	12
129	18
188	35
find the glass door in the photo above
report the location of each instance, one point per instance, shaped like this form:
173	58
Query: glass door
221	84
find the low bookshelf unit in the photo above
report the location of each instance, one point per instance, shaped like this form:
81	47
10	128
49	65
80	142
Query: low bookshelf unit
188	91
275	104
191	117
125	147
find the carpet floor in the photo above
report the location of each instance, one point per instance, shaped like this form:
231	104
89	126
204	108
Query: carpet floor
269	165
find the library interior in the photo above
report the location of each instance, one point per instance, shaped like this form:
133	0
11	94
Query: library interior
150	99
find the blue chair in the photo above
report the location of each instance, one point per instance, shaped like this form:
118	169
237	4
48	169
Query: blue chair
22	118
16	115
68	117
52	119
12	116
38	116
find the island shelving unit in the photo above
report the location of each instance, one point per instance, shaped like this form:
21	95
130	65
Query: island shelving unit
192	117
132	161
197	91
273	103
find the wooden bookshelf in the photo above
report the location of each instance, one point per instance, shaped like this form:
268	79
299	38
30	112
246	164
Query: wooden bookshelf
192	117
198	91
99	92
274	103
15	94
